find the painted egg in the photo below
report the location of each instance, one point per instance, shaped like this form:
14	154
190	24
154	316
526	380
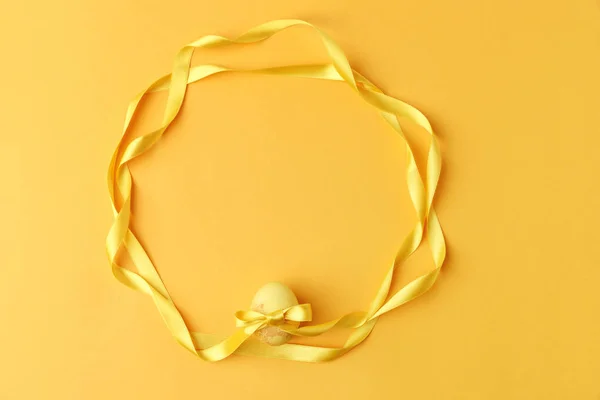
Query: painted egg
272	297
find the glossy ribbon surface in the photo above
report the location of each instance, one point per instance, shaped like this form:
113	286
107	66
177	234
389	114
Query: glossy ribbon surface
147	280
297	313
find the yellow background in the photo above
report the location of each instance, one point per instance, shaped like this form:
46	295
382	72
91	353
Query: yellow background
269	178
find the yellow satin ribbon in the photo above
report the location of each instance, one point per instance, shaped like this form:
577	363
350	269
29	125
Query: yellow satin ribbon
297	313
147	280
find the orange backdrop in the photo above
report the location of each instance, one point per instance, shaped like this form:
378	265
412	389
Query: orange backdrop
299	181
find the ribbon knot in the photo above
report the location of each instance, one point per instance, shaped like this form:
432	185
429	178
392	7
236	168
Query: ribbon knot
257	320
275	318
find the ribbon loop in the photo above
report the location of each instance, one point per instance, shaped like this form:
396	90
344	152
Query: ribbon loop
298	313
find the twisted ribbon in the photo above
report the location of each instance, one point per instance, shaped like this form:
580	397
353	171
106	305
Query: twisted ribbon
147	280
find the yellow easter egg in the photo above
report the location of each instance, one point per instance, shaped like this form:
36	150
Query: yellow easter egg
272	297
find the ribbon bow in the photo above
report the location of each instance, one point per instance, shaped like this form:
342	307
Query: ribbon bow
257	320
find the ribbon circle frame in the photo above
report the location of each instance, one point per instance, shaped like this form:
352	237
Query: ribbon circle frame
147	280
